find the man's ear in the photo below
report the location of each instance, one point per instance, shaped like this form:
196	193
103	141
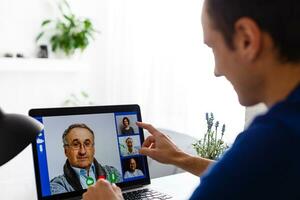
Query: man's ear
247	38
65	152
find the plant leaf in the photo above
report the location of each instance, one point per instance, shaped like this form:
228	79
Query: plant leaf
39	36
67	4
70	19
87	24
45	22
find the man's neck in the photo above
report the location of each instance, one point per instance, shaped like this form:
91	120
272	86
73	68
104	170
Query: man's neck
280	82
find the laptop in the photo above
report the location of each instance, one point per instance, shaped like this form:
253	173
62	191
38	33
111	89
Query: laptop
79	145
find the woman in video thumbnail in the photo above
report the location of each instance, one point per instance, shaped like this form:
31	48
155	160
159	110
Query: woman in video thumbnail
127	129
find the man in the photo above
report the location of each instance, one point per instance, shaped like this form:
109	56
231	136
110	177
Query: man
81	168
129	149
256	46
133	171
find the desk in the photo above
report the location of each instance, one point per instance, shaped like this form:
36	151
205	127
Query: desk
179	186
17	180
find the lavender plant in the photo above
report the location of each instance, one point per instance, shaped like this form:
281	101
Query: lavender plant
211	146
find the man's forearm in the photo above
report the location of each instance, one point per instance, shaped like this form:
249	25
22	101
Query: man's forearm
193	164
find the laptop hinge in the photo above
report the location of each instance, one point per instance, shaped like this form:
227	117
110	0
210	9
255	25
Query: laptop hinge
132	187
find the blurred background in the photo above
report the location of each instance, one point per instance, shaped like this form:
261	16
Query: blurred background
146	52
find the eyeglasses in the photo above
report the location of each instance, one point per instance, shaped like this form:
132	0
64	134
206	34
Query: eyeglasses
78	145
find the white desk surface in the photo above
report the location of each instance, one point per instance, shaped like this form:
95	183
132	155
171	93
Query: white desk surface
17	180
179	186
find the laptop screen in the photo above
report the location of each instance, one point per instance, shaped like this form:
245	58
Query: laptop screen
82	144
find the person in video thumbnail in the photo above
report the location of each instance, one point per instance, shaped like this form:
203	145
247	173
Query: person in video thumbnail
132	169
81	169
126	129
130	149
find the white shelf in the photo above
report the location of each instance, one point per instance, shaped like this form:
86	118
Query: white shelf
41	64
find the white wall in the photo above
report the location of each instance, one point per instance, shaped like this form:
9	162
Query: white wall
148	52
155	57
24	89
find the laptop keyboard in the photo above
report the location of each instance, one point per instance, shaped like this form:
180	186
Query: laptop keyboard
145	194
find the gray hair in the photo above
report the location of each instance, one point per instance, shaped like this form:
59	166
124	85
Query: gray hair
72	126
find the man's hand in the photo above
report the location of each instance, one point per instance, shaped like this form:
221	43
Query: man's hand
103	190
159	146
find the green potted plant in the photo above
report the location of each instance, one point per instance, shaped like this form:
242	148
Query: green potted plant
68	33
78	99
211	146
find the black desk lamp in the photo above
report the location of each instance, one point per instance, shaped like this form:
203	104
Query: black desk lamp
16	133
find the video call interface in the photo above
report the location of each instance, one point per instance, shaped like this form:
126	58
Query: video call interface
74	151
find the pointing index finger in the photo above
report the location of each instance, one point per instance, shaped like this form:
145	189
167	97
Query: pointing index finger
148	127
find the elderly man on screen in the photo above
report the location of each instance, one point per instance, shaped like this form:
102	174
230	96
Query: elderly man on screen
81	169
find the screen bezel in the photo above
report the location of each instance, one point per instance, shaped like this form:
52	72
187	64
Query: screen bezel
59	111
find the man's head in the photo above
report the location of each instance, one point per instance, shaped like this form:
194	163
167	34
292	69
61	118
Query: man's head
132	165
129	143
279	18
249	39
78	140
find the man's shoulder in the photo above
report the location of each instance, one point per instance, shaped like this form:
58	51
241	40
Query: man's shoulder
269	132
109	168
140	172
59	184
58	179
280	119
272	137
285	114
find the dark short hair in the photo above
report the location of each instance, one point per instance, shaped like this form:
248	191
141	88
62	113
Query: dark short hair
129	138
279	18
72	126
